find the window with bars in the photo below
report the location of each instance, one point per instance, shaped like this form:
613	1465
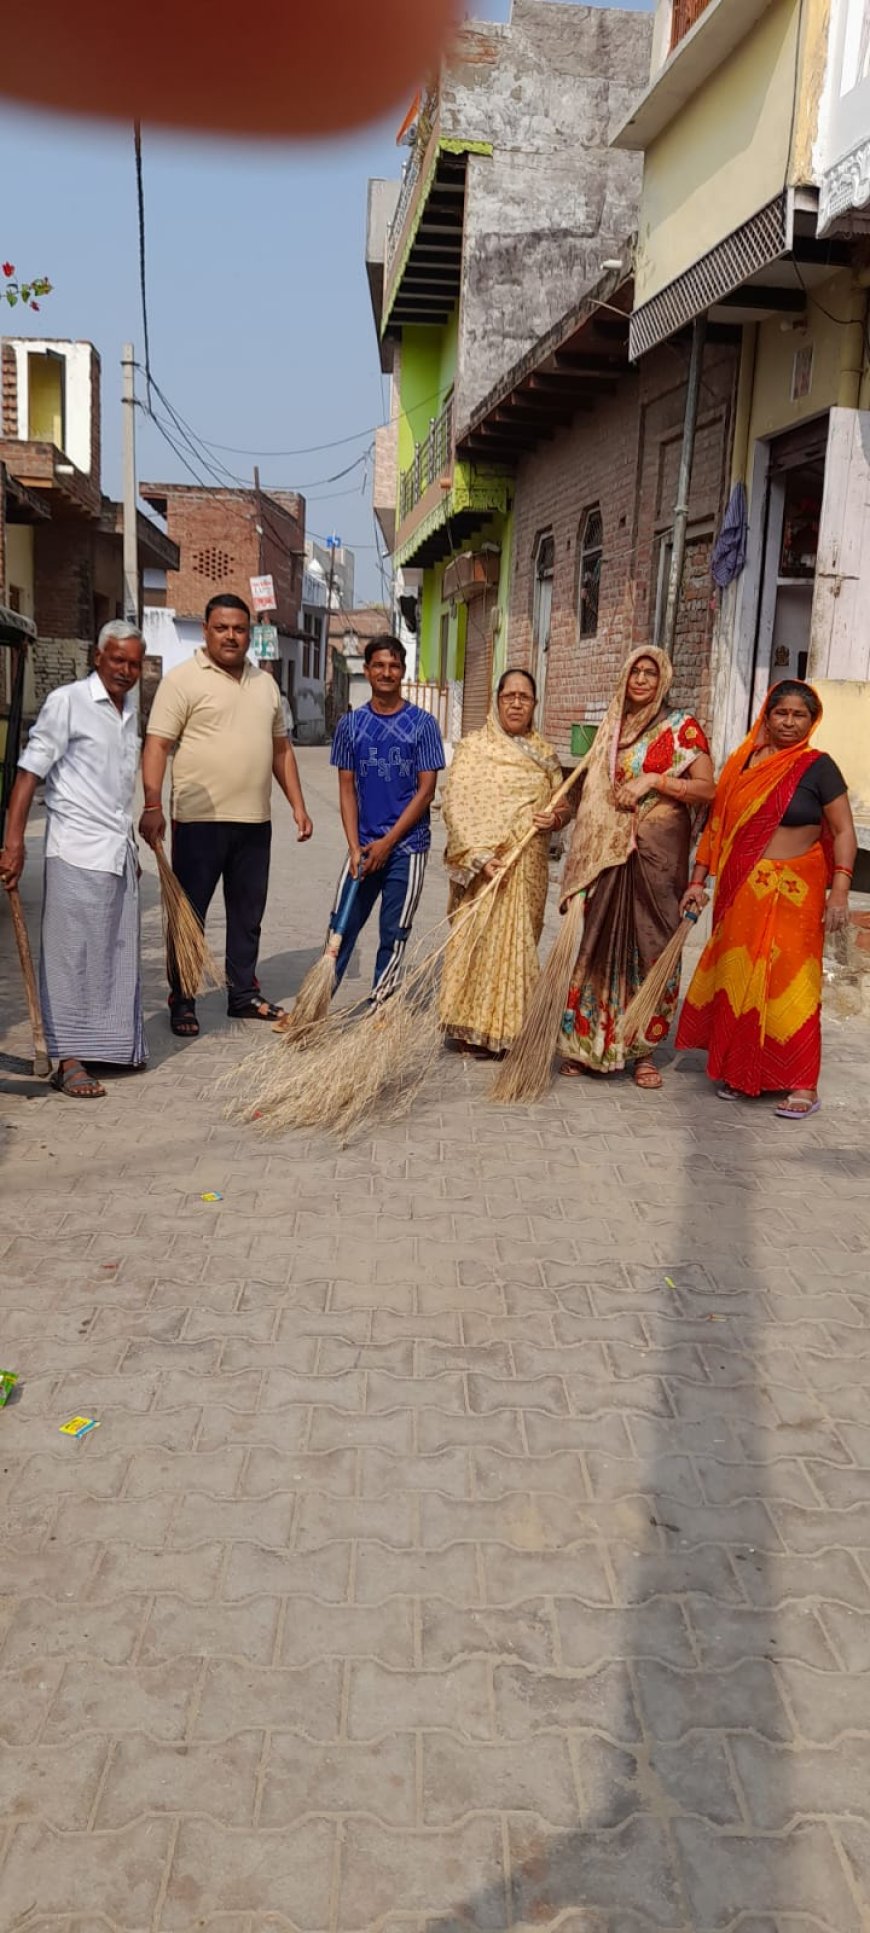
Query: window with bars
590	550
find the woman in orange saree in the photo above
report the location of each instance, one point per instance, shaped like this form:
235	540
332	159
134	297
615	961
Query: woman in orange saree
781	845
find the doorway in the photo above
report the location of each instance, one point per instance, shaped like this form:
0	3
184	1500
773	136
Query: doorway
793	510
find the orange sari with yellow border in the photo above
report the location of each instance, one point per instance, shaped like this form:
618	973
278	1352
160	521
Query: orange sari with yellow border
755	999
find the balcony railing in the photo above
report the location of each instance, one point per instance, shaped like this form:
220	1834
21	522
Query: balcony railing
411	173
432	459
685	14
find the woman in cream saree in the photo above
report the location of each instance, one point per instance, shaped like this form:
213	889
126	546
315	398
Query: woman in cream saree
499	785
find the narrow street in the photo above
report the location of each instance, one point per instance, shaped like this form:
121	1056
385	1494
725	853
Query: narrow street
477	1530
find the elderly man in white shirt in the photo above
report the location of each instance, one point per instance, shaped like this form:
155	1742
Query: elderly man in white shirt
85	746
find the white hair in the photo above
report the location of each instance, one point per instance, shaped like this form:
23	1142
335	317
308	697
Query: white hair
119	629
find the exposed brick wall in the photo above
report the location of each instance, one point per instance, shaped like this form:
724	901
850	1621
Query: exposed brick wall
220	548
56	661
10	391
624	457
63	572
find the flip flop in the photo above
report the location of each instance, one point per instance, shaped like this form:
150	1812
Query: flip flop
786	1113
728	1093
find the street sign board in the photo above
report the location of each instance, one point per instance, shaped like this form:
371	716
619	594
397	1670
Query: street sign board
263	594
264	641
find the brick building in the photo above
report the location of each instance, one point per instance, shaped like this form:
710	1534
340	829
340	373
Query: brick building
595	446
61	539
224	538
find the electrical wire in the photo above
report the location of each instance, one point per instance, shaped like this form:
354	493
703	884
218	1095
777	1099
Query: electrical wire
143	282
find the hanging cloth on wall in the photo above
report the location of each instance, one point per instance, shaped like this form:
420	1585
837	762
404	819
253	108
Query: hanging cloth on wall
729	550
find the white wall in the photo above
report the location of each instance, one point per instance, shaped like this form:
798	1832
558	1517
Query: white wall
170	638
78	357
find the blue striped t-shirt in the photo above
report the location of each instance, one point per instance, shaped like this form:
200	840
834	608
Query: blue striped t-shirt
386	752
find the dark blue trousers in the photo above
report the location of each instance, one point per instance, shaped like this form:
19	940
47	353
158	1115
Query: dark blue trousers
205	851
398	886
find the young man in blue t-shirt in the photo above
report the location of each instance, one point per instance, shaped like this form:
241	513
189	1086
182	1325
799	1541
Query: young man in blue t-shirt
388	754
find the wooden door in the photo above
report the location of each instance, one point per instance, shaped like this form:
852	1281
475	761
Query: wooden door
478	665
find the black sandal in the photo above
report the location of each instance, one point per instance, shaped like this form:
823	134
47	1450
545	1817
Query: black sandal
76	1083
182	1018
257	1009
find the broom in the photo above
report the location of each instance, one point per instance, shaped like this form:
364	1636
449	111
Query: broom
312	1000
350	1071
186	944
525	1073
647	1001
41	1060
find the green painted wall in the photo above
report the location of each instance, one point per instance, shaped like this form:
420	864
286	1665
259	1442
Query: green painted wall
427	372
430	622
499	530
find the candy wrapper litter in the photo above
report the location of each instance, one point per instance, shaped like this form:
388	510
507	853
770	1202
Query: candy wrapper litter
8	1380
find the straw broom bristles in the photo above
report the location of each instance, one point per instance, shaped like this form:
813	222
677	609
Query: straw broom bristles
525	1073
315	994
648	999
186	944
344	1070
312	1001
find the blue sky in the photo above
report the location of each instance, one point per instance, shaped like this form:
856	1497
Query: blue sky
261	327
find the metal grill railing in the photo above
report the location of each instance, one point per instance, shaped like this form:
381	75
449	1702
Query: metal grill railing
759	242
685	14
411	175
432	459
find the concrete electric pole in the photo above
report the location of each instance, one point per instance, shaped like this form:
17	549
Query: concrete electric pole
132	608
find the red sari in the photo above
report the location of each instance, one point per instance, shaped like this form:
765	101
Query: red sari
755	998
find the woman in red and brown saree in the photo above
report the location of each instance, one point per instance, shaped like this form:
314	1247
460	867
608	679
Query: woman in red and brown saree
648	771
781	845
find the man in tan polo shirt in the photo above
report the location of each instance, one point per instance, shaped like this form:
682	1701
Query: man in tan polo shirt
223	716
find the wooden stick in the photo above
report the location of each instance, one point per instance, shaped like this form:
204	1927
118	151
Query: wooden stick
41	1060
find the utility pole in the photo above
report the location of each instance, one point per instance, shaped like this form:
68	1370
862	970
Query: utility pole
132	608
259	513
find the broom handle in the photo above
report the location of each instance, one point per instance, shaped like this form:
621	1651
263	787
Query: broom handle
41	1060
467	913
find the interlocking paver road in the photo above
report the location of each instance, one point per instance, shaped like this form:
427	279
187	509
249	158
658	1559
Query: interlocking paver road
436	1565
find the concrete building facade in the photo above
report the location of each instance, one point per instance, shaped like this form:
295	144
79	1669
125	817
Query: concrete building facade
511	201
755	135
61	539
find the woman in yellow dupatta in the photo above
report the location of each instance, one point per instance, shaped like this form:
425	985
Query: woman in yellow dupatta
498	785
781	845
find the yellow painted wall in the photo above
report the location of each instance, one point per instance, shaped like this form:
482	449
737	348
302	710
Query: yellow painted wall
46	377
845	733
771	408
19	564
723	156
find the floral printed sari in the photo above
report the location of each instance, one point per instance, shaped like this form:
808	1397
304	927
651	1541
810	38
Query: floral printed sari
632	907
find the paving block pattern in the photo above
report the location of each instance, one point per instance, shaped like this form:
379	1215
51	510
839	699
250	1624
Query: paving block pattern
477	1533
